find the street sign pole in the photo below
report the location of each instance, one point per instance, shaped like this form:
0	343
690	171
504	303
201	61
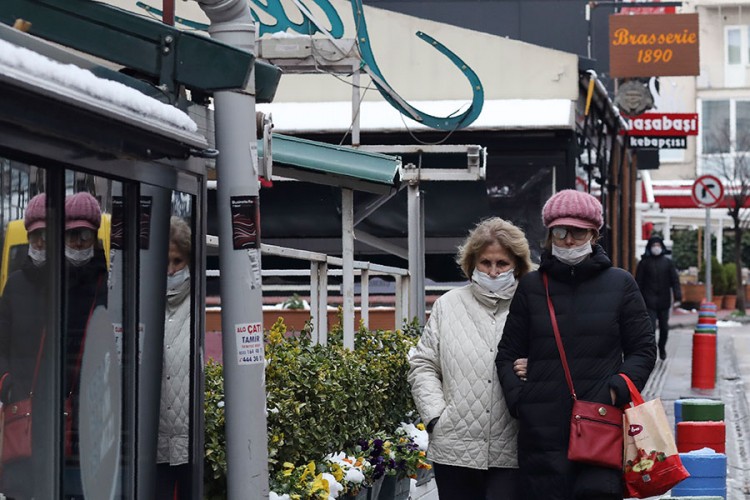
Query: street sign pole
708	192
707	253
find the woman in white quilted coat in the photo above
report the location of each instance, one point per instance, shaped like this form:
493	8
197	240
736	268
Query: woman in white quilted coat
173	468
452	371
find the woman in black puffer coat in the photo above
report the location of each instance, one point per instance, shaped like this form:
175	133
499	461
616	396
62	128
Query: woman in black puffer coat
605	330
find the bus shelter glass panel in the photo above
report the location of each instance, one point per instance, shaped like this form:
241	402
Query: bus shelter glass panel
24	332
94	336
176	402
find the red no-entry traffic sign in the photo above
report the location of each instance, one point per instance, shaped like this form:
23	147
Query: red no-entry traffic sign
708	191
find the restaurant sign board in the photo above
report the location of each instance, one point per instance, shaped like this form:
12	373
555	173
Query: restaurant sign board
653	45
662	124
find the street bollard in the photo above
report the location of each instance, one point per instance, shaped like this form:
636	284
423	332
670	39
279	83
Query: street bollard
704	361
698	435
708	476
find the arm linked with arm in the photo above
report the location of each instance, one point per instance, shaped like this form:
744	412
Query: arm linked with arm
513	345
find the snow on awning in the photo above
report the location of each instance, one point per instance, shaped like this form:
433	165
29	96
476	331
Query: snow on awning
379	116
68	83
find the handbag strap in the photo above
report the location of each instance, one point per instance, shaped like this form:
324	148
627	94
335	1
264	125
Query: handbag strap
558	340
635	394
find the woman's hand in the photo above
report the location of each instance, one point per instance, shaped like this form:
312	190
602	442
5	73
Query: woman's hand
520	367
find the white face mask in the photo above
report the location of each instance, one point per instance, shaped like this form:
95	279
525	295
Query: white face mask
499	285
79	258
573	255
38	257
655	250
178	278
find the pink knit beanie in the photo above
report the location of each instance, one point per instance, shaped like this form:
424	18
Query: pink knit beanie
82	210
36	213
572	208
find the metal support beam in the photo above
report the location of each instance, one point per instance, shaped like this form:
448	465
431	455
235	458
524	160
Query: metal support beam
347	254
415	206
381	244
364	297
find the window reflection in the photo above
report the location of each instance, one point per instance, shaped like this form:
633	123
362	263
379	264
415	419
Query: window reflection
173	447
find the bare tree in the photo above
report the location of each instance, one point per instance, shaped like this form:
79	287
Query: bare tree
730	159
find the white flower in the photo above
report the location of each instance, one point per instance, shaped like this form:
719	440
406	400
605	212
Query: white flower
354	475
275	496
334	487
220	404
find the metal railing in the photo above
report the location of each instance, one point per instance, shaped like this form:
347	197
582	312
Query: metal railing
319	272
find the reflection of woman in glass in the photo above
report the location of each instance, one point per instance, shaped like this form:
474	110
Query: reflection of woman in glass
86	280
173	478
21	328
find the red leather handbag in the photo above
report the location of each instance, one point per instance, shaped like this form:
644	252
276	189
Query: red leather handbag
596	435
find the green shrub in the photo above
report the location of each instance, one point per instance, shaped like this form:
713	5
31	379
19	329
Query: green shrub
320	399
215	457
730	278
717	276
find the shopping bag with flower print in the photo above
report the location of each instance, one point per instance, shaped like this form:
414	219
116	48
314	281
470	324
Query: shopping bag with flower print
652	464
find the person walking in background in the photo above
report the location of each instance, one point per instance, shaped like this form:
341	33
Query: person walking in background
605	330
472	438
659	282
172	452
22	325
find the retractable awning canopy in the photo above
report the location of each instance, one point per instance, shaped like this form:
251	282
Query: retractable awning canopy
328	164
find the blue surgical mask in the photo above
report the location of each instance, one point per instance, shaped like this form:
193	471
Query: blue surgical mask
656	250
573	255
177	279
502	285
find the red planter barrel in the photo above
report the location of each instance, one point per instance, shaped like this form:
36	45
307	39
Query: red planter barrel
697	435
704	361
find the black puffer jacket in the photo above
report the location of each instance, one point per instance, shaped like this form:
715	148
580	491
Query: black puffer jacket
605	330
657	278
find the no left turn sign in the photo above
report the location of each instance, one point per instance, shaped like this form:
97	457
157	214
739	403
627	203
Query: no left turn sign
708	191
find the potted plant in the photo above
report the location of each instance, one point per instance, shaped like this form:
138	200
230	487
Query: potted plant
730	279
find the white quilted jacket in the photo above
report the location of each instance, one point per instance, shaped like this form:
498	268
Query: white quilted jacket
452	376
174	416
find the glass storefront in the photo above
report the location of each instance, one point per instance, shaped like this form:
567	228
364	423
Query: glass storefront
99	350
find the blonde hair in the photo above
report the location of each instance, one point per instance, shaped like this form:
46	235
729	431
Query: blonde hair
487	232
180	236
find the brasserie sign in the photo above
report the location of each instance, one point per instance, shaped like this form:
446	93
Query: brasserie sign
653	45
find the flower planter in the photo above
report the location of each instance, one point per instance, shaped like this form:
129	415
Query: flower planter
367	493
424	476
730	302
395	488
693	293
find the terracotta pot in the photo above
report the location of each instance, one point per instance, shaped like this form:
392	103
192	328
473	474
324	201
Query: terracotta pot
693	293
730	302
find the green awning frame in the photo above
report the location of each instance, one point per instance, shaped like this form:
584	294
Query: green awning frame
171	56
328	164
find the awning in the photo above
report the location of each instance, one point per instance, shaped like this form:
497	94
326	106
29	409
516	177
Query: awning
328	164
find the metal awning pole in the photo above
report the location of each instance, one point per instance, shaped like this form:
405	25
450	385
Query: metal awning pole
416	253
347	254
239	257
